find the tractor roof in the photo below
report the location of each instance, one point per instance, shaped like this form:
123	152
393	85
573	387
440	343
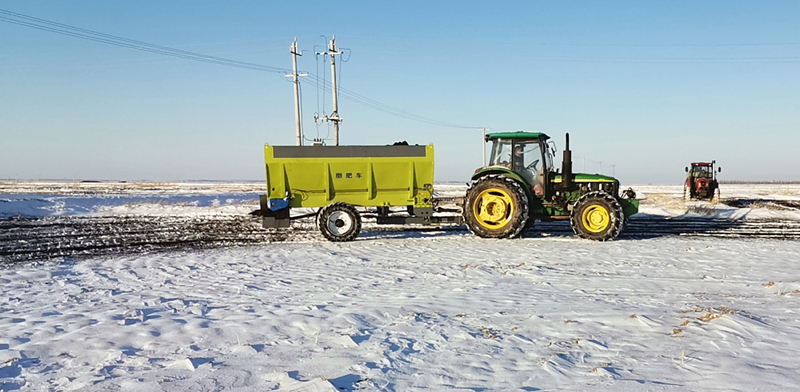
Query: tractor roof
517	135
702	163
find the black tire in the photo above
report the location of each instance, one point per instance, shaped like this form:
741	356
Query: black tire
528	226
339	222
597	216
496	206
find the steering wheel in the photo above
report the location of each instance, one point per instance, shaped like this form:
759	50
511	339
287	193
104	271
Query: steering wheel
533	165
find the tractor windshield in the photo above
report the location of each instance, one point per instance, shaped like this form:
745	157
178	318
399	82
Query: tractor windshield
702	172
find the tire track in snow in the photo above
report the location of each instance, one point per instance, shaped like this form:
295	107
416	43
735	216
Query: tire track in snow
34	239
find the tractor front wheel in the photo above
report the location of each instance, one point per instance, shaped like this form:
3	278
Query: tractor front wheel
597	216
339	222
496	206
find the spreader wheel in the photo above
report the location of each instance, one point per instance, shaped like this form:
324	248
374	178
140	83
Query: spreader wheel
496	207
339	222
597	216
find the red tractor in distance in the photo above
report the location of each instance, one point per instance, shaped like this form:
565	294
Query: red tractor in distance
701	182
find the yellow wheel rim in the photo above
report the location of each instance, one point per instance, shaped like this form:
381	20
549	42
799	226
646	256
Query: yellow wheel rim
595	218
493	208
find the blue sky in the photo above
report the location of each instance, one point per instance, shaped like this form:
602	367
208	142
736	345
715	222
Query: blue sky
647	87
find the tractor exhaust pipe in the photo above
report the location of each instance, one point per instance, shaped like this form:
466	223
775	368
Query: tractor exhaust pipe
566	167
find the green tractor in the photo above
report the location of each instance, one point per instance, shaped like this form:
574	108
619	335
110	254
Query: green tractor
520	186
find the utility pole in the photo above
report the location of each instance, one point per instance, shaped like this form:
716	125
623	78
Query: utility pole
295	76
613	172
334	117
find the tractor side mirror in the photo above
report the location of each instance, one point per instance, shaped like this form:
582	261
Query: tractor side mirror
719	170
686	168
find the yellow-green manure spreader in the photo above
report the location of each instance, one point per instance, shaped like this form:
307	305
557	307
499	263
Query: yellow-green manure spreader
343	182
394	184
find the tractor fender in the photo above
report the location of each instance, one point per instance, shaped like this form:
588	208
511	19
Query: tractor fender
504	172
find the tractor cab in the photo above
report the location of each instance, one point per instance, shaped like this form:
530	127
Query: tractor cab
701	182
523	153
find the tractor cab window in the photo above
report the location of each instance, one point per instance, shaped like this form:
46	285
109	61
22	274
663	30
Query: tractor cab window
501	153
527	157
702	172
524	157
518	155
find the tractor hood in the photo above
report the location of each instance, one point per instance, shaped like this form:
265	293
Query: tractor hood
583	177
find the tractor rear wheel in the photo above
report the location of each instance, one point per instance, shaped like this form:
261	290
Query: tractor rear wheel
527	227
339	222
496	206
597	216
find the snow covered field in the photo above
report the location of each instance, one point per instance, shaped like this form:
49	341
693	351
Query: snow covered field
407	310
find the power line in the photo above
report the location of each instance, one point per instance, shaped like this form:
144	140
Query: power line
91	35
668	60
678	45
474	41
371	103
